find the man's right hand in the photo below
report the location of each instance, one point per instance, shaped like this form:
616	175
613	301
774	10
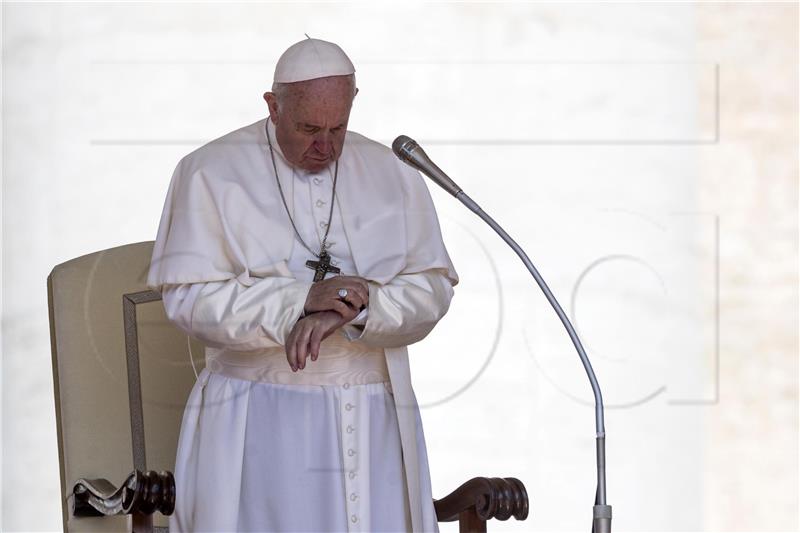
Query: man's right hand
324	296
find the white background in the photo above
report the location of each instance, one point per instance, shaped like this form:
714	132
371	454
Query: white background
645	155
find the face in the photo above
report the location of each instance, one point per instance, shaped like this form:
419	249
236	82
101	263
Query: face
310	120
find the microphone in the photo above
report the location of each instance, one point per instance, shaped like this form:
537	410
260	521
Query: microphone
412	154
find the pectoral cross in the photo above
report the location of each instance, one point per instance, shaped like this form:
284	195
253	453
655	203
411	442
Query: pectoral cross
322	267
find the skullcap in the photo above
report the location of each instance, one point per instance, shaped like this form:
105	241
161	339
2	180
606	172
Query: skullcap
310	59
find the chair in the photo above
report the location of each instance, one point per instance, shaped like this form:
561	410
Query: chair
122	374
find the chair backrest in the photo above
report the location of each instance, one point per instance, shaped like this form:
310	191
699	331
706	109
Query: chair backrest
121	373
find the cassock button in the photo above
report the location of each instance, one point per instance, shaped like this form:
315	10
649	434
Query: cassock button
350	429
351	452
317	180
351	475
348	406
353	518
320	203
353	496
323	224
346	386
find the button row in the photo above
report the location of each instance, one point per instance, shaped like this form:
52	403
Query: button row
350	443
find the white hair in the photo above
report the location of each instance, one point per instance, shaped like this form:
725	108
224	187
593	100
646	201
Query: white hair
281	90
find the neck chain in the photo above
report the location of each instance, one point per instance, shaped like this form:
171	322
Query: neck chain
323	266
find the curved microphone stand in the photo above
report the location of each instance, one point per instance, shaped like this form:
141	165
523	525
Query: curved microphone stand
412	154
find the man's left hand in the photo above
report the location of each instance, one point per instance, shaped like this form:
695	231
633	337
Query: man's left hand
307	335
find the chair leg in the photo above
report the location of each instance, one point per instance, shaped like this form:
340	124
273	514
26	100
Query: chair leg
468	522
141	523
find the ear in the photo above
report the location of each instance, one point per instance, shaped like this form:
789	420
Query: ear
272	104
355	93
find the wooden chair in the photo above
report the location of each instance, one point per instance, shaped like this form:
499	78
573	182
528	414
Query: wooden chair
122	374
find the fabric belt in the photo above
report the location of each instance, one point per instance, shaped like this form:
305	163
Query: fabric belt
340	362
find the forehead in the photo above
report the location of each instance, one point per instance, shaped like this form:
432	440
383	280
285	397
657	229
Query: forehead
327	85
330	98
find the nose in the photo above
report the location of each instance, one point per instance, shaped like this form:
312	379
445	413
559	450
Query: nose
323	143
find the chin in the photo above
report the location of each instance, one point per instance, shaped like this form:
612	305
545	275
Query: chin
313	168
316	166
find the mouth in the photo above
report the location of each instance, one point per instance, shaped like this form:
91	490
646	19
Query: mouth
315	164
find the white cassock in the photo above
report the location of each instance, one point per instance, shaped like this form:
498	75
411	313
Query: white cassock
338	446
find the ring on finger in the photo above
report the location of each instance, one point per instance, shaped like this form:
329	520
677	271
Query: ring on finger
342	293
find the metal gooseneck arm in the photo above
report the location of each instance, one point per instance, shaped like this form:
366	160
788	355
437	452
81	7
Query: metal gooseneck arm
601	511
410	152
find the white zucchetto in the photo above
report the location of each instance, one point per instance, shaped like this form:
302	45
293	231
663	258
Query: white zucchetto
310	59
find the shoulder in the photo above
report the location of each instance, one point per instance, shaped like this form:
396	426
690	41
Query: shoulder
365	148
371	153
224	151
385	169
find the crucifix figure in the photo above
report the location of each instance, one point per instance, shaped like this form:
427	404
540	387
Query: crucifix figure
322	267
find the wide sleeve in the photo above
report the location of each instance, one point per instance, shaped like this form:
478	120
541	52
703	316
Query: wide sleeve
229	314
404	310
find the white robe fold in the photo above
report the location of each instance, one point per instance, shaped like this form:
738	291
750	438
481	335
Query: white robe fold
225	236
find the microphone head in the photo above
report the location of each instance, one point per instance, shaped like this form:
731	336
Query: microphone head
412	154
402	147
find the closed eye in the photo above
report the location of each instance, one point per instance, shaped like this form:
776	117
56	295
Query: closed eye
311	129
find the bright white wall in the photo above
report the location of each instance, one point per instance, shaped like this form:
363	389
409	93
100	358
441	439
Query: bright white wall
634	150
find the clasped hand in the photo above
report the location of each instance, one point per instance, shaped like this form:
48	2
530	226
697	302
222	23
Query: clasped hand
325	312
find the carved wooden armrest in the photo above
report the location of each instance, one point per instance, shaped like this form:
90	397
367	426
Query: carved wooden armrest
481	499
140	493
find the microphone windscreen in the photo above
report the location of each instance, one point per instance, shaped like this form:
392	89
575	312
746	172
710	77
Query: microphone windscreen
402	145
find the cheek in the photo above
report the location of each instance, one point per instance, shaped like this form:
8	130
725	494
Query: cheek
299	143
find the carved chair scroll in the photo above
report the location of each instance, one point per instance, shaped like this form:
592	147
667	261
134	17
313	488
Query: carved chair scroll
122	375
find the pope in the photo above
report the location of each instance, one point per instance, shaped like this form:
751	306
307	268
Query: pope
307	259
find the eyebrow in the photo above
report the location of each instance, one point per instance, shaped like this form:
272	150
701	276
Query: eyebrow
309	125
